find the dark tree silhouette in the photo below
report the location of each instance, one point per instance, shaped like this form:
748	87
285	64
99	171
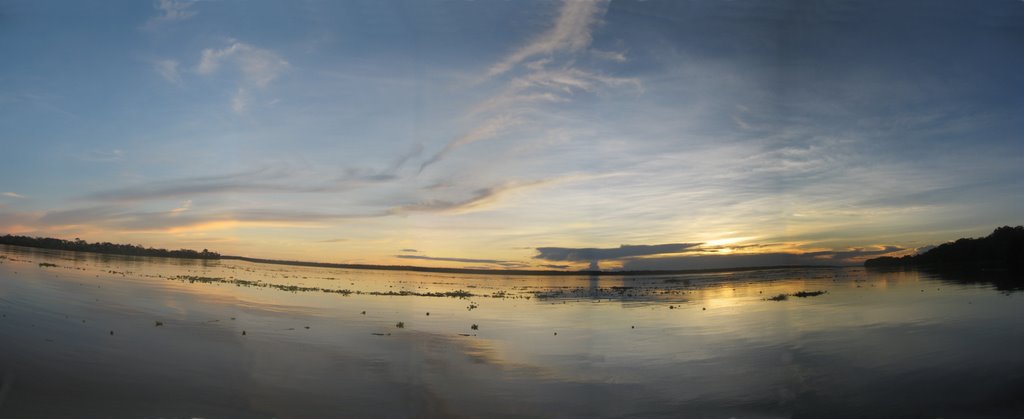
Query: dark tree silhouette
80	245
1001	250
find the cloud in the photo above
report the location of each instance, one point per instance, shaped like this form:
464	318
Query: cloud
410	250
739	260
571	32
858	254
545	79
103	156
459	260
257	66
112	217
168	69
186	188
477	200
252	181
185	206
590	254
616	56
13	195
16	222
503	263
171	11
488	129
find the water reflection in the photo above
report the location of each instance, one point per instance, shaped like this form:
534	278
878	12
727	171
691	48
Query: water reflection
898	343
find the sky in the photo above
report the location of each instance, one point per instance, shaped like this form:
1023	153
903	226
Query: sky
514	134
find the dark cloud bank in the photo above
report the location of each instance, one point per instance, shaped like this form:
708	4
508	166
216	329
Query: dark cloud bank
633	257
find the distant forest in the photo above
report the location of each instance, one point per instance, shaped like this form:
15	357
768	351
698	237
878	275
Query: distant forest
80	245
1001	250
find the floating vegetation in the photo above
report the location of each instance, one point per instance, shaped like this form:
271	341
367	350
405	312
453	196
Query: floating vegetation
801	294
45	265
295	288
474	327
400	325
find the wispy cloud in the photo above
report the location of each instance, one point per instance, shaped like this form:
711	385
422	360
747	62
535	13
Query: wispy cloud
737	260
13	195
459	260
245	182
570	33
241	182
549	74
258	67
119	218
477	200
171	11
488	129
168	69
589	254
502	263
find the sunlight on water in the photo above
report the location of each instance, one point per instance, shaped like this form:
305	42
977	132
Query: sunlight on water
118	336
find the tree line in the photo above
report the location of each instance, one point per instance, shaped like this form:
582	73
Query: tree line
80	245
1001	250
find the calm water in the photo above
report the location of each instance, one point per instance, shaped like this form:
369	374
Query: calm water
234	340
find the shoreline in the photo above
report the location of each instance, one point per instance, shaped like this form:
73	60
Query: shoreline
470	271
533	272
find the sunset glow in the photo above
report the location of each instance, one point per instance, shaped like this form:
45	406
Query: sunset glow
473	134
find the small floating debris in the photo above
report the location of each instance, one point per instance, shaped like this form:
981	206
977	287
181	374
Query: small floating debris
307	327
474	327
400	325
111	333
800	294
381	334
467	334
428	313
364	312
158	323
243	333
